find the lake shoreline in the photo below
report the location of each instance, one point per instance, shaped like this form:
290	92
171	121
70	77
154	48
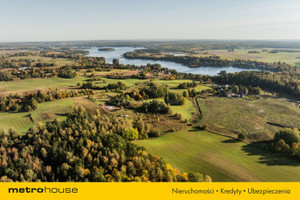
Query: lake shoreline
179	67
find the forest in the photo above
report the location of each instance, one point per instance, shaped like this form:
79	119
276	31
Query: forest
84	147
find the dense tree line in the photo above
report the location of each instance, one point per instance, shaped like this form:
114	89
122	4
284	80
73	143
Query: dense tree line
29	101
5	62
238	89
25	53
27	73
10	62
84	147
78	54
187	85
277	82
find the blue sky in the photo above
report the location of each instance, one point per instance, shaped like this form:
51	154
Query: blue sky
45	20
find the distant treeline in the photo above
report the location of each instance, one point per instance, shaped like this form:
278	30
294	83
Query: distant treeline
75	54
213	61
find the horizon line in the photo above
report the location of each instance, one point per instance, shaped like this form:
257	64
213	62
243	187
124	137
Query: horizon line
148	40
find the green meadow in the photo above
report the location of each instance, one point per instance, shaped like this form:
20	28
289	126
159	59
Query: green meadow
264	56
221	157
58	61
187	110
56	82
39	83
46	112
250	117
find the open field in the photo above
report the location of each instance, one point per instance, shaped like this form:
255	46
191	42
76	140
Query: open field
90	106
45	112
250	117
186	110
128	82
39	83
287	57
172	84
7	51
214	152
56	82
58	61
221	157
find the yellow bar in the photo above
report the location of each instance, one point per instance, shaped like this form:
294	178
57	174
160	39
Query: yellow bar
153	191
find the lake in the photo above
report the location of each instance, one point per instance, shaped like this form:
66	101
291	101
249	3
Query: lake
119	51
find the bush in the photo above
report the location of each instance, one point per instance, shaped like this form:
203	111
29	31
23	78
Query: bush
195	177
4	76
154	133
173	130
153	90
89	85
187	85
68	72
175	99
118	85
185	94
203	127
288	135
155	107
92	98
178	116
131	133
241	137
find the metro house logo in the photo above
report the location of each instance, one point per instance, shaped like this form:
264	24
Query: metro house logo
43	190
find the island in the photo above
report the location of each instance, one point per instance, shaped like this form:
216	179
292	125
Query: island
106	49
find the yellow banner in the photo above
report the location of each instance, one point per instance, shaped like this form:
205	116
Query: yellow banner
153	191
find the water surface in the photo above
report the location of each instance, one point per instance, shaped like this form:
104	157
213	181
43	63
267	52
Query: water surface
119	51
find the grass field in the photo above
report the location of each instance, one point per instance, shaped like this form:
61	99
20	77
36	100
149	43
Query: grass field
58	61
232	116
45	112
186	110
33	84
172	84
287	57
56	82
222	158
128	82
